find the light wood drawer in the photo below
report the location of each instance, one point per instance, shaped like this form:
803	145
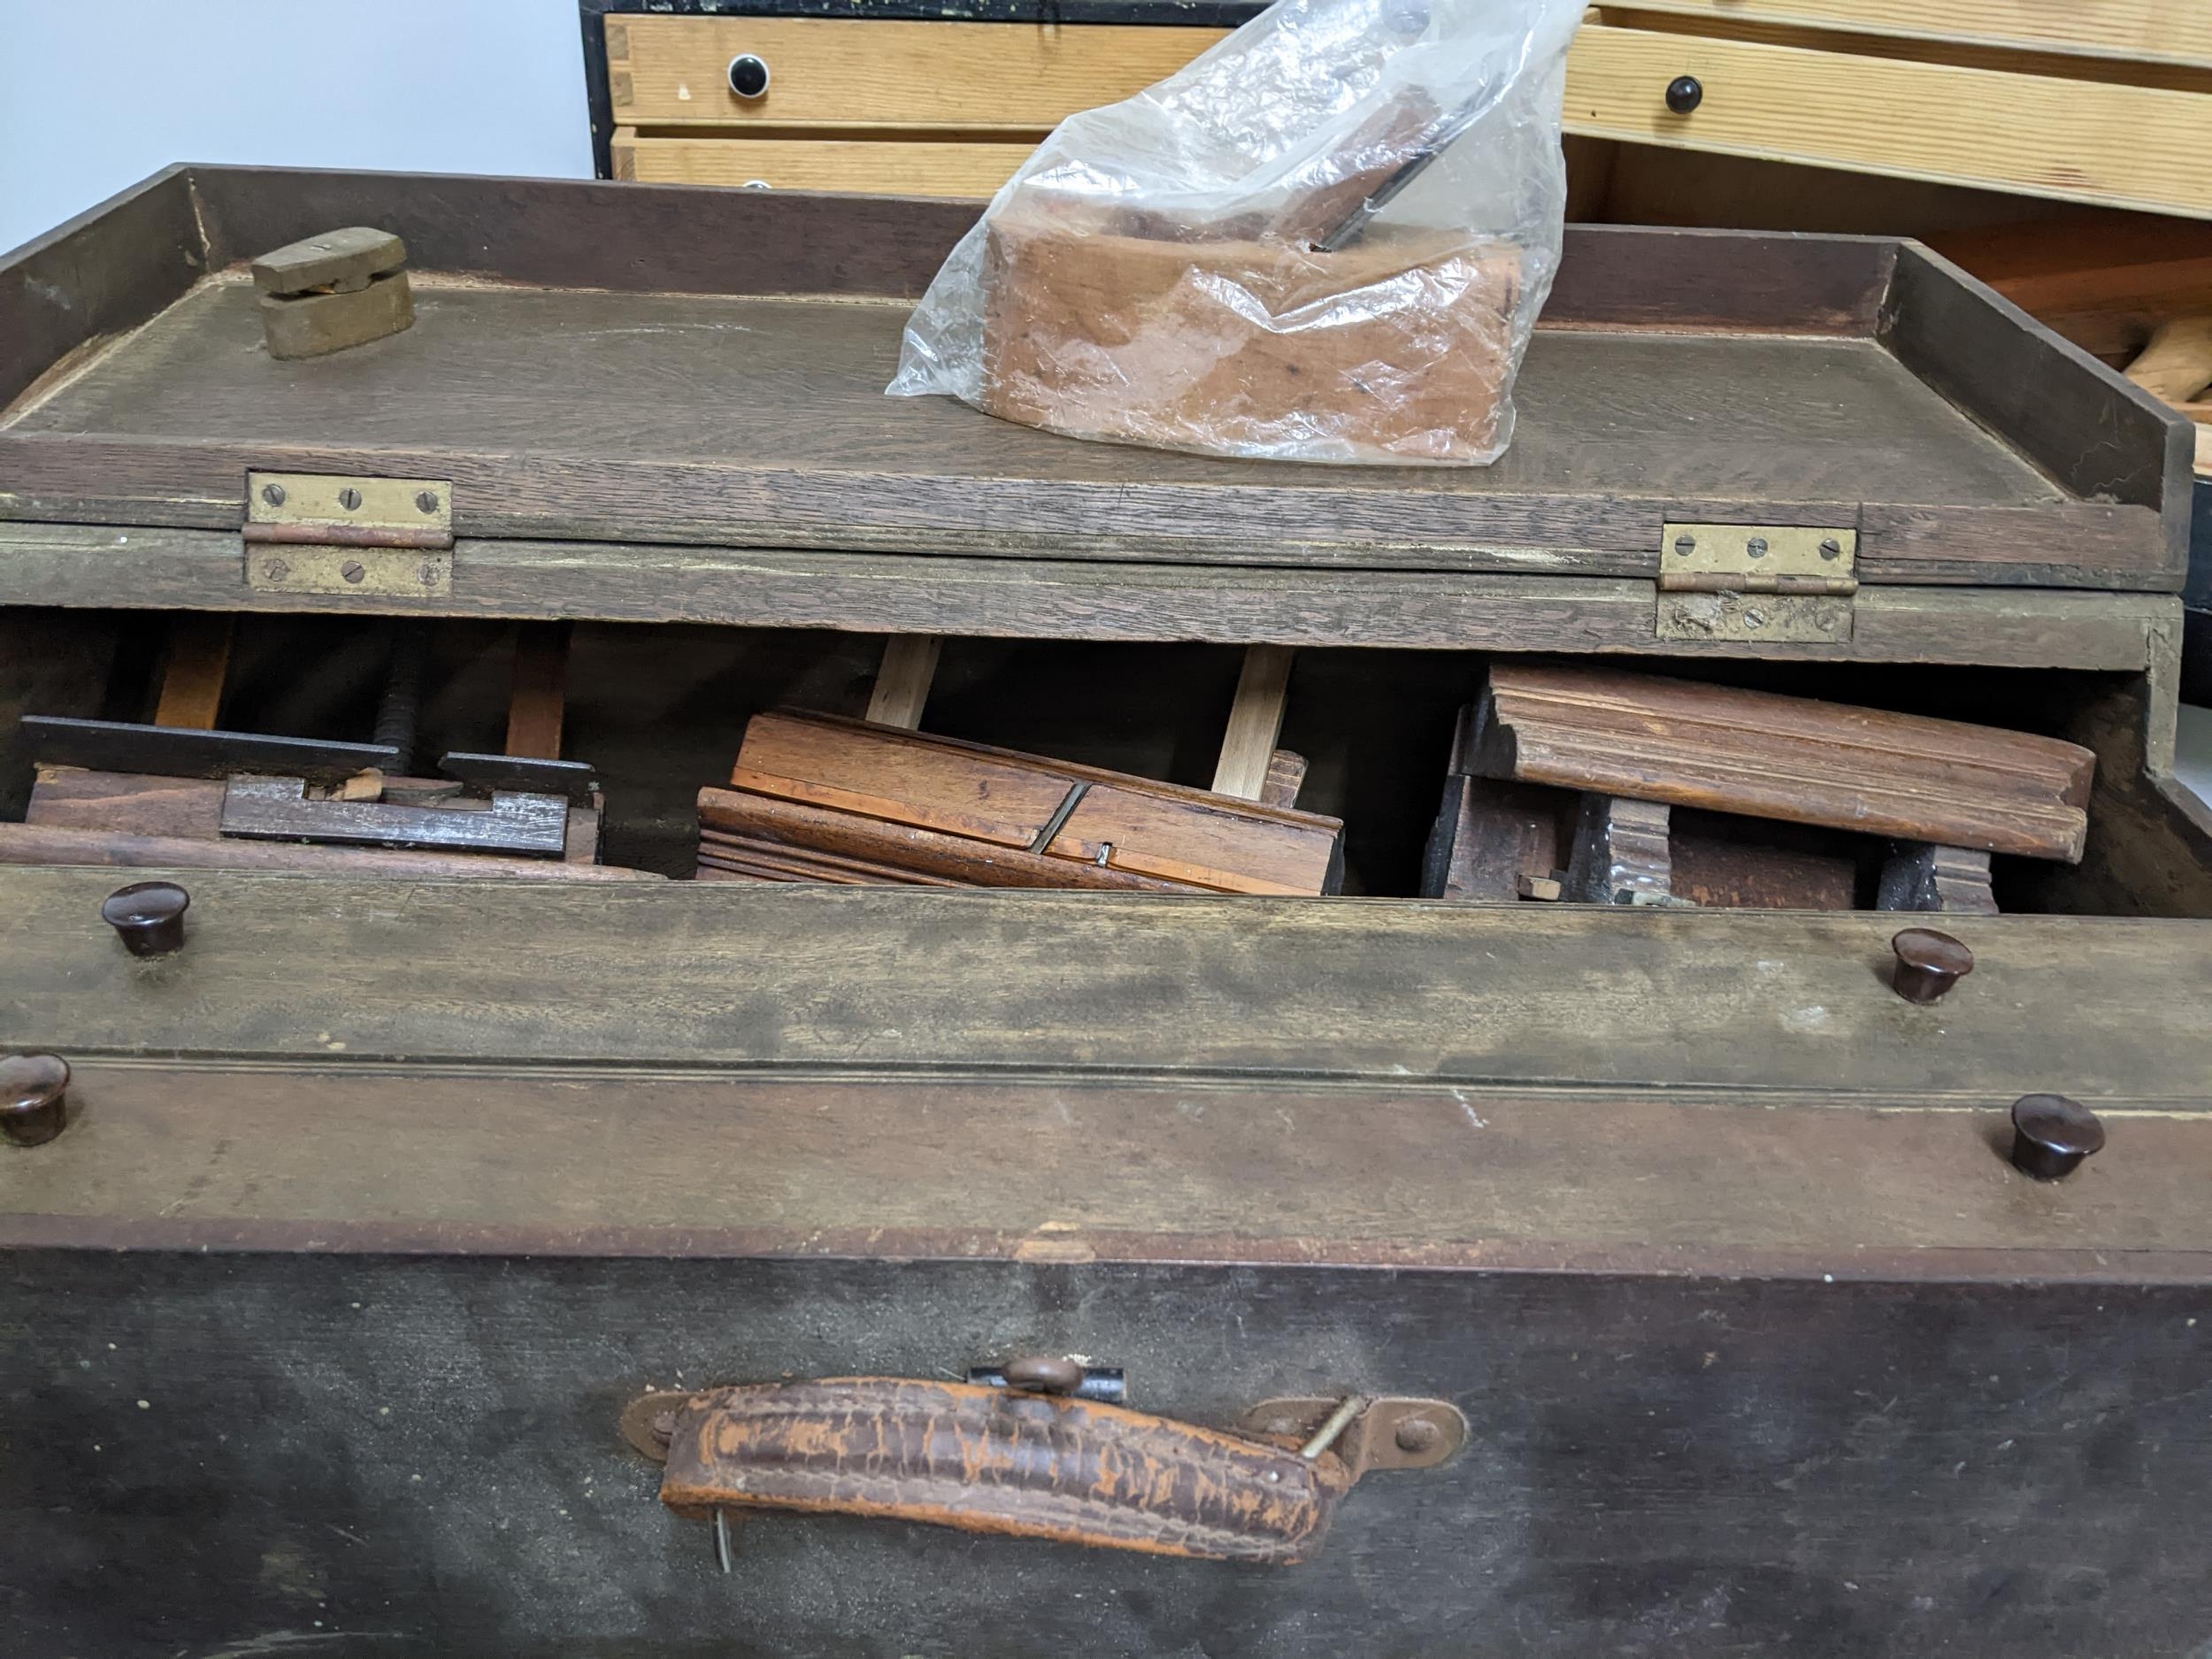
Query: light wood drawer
835	74
2085	141
878	166
2142	31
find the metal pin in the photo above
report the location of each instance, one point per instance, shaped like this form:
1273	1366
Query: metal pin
1339	1420
1105	851
722	1538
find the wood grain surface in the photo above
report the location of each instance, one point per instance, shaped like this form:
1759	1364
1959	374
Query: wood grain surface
875	167
1064	814
1767	756
1388	1172
2112	144
165	426
2145	31
913	982
1016	598
840	72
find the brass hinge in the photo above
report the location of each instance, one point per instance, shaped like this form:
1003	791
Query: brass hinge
386	538
1785	584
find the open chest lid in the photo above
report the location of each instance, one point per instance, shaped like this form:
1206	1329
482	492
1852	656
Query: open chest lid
594	370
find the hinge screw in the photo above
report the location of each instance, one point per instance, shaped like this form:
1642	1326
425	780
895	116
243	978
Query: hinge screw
273	493
427	500
353	571
1831	548
1686	545
349	498
1416	1435
1756	547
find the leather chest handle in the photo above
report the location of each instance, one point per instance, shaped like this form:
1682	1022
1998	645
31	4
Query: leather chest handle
999	1461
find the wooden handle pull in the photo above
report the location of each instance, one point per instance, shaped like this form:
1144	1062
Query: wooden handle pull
995	1460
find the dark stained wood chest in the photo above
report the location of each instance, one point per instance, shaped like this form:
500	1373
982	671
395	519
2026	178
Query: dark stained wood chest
382	1200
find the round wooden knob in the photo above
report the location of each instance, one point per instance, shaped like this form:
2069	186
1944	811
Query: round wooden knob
33	1097
2051	1135
147	917
1043	1374
748	76
1929	964
1685	92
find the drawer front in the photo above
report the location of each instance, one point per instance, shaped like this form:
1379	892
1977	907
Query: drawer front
2139	31
830	73
2118	145
876	166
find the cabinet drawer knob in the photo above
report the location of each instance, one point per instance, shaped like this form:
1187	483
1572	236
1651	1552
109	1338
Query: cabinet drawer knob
33	1108
1685	92
748	76
147	917
2052	1134
1929	964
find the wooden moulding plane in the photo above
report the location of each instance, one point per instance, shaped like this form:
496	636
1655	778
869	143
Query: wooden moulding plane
817	798
1598	763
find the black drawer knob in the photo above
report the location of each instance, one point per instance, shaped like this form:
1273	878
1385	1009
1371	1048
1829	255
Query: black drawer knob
147	917
1685	92
748	76
33	1104
2051	1135
1929	964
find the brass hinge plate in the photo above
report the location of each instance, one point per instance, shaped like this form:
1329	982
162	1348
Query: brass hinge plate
357	573
1757	584
333	509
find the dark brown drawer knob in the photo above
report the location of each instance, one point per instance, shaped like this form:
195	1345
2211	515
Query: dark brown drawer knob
2051	1135
1685	92
33	1090
748	76
1042	1374
1929	964
147	917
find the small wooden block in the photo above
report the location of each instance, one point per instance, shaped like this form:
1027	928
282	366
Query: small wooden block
337	261
192	683
537	701
1921	876
1542	888
1255	720
1620	853
1286	776
910	666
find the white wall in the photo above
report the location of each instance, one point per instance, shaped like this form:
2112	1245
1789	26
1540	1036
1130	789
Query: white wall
96	94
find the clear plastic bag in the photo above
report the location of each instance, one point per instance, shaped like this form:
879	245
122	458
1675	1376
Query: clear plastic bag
1326	239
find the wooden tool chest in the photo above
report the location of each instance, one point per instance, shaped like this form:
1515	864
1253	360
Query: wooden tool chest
421	1263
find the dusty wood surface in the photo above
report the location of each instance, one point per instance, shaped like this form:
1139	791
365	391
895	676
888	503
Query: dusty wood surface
161	429
1793	759
82	565
1089	983
1816	1179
